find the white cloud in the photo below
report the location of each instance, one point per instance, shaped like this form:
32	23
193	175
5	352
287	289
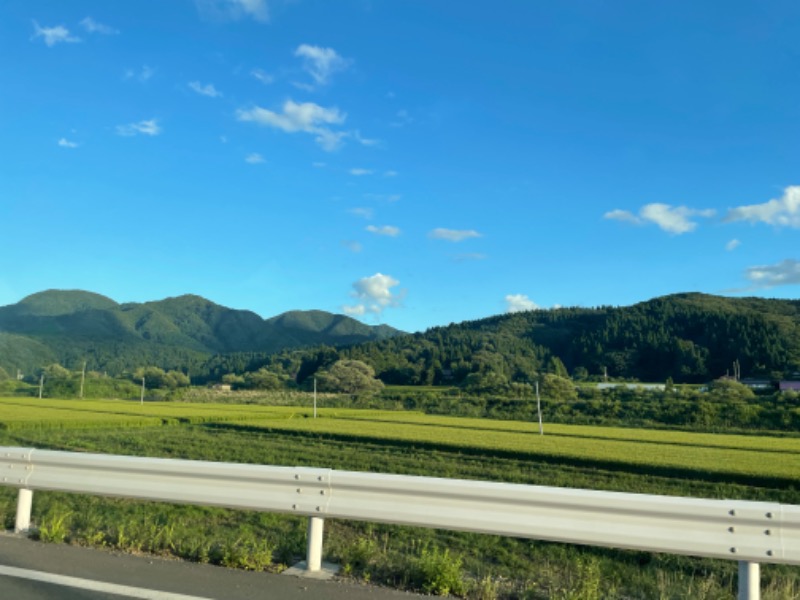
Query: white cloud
622	215
362	140
319	165
205	90
65	143
375	294
786	272
53	35
352	245
672	219
233	9
149	127
141	76
390	174
781	212
732	245
262	76
453	235
321	63
254	158
92	26
307	117
519	303
387	230
359	172
355	311
366	213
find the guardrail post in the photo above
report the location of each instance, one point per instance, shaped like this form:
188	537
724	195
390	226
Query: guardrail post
749	581
314	555
24	504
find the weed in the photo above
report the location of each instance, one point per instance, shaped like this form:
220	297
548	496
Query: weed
54	529
438	572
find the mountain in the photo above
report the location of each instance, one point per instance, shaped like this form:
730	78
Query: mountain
72	326
688	337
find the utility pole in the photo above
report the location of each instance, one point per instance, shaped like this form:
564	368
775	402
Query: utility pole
41	385
539	409
141	401
315	397
83	377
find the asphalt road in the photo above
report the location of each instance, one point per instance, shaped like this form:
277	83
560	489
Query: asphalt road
34	571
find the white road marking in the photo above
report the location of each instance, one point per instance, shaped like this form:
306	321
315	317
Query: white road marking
95	586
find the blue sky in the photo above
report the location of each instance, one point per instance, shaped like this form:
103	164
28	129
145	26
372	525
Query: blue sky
415	163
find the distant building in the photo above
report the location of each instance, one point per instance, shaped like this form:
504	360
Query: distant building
758	384
786	386
651	387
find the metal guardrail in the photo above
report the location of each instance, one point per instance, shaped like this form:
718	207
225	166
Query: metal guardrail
748	532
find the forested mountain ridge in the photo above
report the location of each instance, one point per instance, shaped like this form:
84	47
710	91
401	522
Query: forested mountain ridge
72	326
688	337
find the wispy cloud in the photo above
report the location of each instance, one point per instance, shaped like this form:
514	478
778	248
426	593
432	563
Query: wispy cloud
387	230
262	76
360	172
352	245
374	294
233	10
321	63
453	235
672	219
519	303
92	26
365	213
148	127
732	245
65	143
306	117
364	141
781	212
142	75
390	173
786	272
53	35
401	119
622	215
205	90
254	158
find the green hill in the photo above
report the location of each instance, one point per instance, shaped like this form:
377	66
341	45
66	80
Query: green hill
72	326
687	337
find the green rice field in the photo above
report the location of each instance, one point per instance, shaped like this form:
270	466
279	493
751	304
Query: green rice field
757	467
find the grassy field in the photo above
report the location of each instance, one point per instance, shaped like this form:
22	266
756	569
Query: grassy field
475	566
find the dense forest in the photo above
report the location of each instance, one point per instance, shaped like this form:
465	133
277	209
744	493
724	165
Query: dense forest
686	338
